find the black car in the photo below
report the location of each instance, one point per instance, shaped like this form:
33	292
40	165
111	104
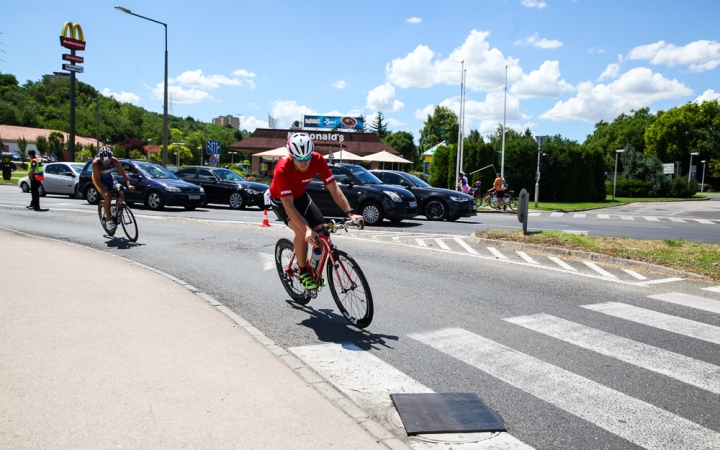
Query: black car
154	186
367	196
434	203
225	186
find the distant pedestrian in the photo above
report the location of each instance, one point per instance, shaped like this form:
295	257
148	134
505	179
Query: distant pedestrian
463	183
35	174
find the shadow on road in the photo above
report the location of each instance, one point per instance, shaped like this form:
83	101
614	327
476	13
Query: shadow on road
120	243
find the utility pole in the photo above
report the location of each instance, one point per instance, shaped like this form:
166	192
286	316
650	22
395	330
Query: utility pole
502	161
540	140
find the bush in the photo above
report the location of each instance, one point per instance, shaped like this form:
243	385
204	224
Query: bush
420	175
682	189
628	188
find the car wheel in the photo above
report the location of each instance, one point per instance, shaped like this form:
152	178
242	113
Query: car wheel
91	195
372	213
435	209
25	188
236	201
154	201
41	191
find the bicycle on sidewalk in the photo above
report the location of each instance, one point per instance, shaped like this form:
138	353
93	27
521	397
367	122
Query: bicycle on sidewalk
348	284
121	215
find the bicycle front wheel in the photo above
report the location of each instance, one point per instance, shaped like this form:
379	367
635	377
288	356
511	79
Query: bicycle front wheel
101	215
513	204
350	290
127	220
284	252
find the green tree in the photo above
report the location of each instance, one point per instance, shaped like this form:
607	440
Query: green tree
442	125
403	142
623	131
56	141
41	143
439	167
295	124
378	126
22	145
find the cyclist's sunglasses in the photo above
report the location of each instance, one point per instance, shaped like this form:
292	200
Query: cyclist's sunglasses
306	158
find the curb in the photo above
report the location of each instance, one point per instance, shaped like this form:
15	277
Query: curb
511	245
622	204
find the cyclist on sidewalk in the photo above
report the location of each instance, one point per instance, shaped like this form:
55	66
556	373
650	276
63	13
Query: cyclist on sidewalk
104	181
294	206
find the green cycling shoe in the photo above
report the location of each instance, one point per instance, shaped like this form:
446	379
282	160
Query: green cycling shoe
307	281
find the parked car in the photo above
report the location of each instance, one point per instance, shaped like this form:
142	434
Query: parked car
434	203
367	196
60	178
155	186
705	188
225	186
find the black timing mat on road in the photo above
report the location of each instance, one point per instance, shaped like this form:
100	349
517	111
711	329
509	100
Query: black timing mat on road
459	412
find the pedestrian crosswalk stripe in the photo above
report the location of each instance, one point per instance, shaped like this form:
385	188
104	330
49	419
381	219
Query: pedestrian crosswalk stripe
526	257
692	301
442	245
635	274
712	289
562	263
673	324
533	214
557	214
652	219
421	243
705	221
674	219
464	245
627	217
688	370
496	252
599	269
579	216
634	420
657	281
603	216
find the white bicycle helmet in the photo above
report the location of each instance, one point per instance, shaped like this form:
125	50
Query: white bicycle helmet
300	145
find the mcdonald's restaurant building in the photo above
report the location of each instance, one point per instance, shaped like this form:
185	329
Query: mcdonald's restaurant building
266	139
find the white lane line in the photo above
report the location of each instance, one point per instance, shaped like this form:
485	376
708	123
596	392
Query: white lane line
268	261
627	217
691	301
652	219
557	214
526	257
562	263
632	419
442	245
496	252
683	368
368	381
534	214
674	219
658	281
603	216
705	221
465	245
635	274
396	238
421	243
712	289
579	216
599	269
673	324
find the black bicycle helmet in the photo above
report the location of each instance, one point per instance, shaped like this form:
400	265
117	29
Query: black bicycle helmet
104	153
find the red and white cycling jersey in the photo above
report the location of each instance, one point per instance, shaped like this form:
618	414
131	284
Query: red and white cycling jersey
289	181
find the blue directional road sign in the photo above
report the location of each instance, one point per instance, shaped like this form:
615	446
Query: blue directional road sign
212	147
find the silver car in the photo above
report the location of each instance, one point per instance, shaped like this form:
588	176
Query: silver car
60	178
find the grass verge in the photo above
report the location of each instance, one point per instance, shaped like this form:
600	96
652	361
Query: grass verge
703	259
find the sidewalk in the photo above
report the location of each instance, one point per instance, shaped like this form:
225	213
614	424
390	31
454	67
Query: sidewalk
97	353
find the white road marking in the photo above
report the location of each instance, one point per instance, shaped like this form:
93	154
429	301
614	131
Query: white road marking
526	257
674	219
691	301
712	289
268	261
627	217
635	274
496	252
632	419
673	324
396	238
534	214
599	269
658	281
688	370
442	245
465	245
579	216
557	214
421	243
562	263
652	219
705	221
603	216
368	381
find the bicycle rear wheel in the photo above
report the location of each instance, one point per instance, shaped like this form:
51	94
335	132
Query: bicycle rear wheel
512	204
127	220
284	251
350	290
101	215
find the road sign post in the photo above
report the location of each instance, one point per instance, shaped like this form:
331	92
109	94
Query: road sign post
522	209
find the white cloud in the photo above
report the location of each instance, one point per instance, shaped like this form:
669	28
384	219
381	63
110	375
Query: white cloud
540	43
394	122
340	84
248	77
414	20
708	96
489	109
177	94
596	50
288	111
699	55
534	4
251	123
611	71
196	79
543	82
485	66
122	97
382	98
635	89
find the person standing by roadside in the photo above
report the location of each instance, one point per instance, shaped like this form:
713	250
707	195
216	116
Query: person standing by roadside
499	189
35	174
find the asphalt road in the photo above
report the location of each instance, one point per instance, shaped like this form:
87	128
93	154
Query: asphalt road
569	358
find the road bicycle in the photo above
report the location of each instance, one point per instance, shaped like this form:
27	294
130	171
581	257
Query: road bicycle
122	216
348	284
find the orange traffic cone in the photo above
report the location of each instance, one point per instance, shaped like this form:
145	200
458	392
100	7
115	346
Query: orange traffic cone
265	222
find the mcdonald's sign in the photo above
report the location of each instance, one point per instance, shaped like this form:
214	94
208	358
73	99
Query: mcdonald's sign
72	36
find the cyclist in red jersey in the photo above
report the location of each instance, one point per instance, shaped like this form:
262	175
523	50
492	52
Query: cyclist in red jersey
294	206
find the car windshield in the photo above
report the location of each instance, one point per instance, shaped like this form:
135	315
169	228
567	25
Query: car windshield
416	181
228	175
77	167
156	172
363	175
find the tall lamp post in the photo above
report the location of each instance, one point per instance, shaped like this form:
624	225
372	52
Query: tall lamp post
165	98
201	155
148	150
502	159
690	168
702	185
97	123
178	145
617	152
540	140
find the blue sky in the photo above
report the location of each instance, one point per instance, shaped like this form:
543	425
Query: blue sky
570	62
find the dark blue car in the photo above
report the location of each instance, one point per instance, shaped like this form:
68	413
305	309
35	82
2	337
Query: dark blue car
155	186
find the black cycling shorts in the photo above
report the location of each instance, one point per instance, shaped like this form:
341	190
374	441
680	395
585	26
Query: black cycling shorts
499	194
305	206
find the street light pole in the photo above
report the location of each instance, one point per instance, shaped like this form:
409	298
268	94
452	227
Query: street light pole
232	158
502	161
201	155
147	155
702	185
97	123
165	97
617	152
178	144
540	140
690	167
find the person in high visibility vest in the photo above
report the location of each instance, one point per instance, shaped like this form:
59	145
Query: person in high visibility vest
35	174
